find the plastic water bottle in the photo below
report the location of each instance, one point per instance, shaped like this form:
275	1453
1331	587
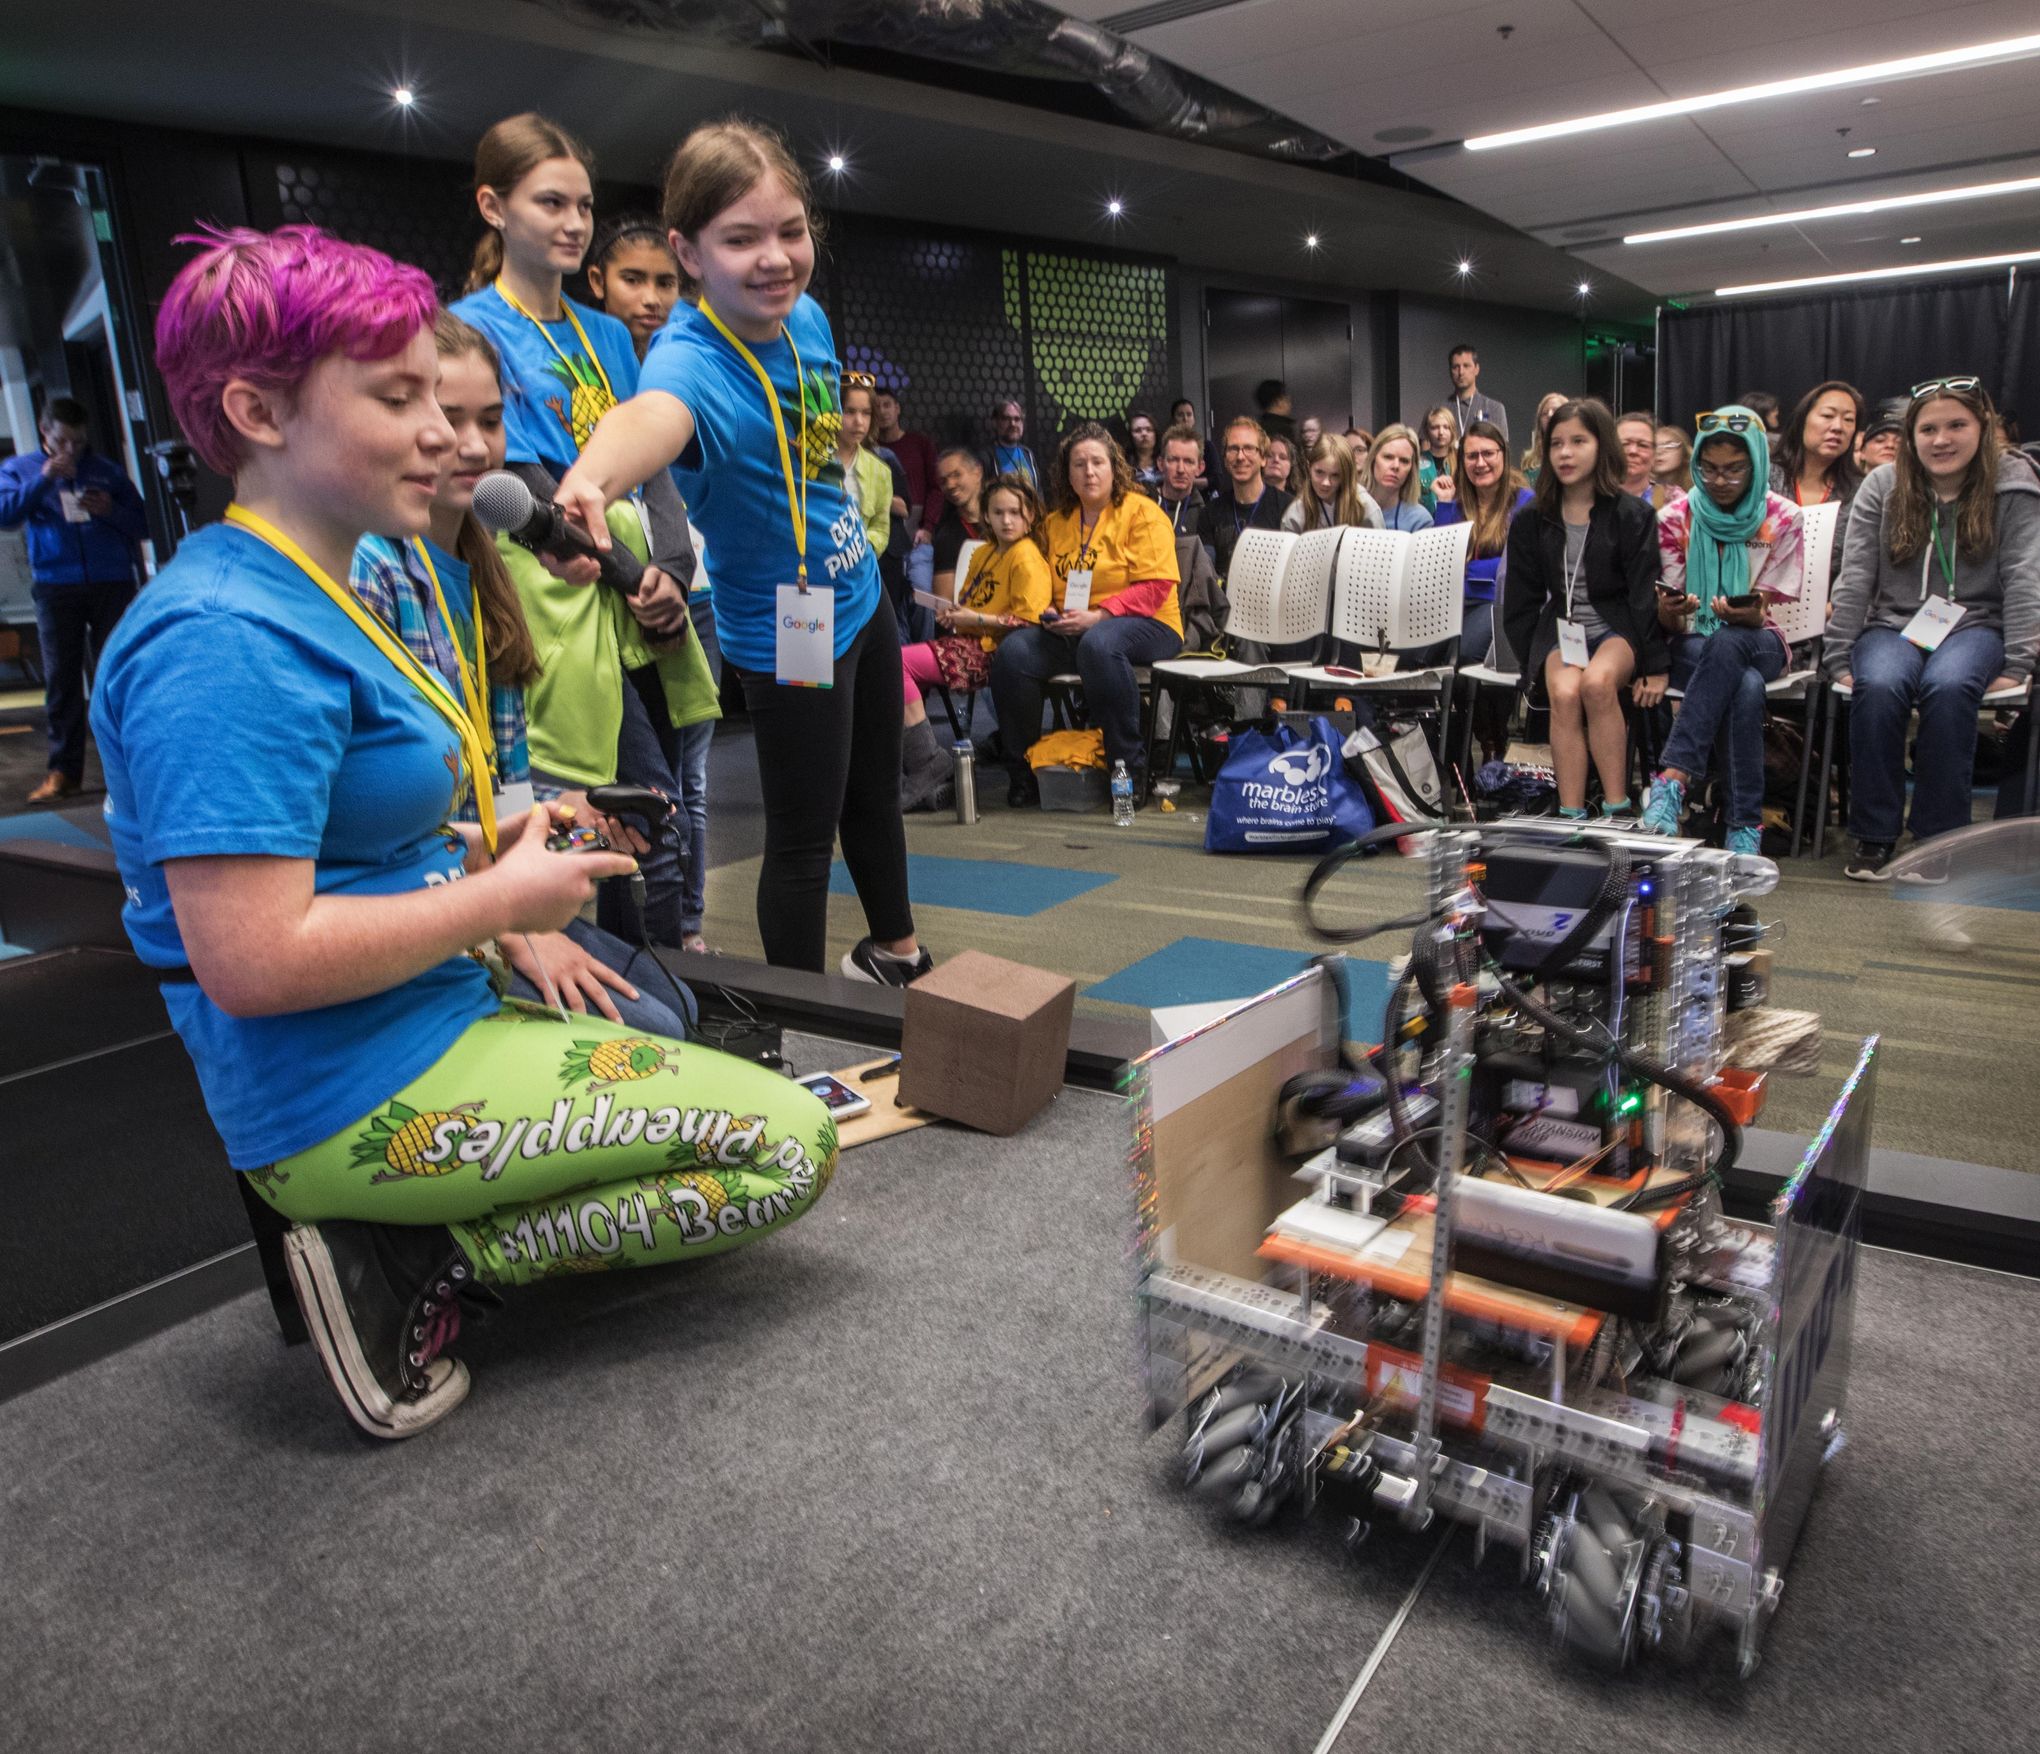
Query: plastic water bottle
1122	796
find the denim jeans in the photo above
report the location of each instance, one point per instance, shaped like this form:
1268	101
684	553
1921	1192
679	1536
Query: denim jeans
1892	677
1723	676
652	1010
66	617
1104	657
692	773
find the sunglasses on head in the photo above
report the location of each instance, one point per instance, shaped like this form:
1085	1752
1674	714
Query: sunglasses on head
859	381
1727	422
1934	386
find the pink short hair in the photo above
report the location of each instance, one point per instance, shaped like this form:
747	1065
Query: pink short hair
267	307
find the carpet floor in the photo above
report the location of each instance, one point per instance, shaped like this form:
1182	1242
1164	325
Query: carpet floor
879	1484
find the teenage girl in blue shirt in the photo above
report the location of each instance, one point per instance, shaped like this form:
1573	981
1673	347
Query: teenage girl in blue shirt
284	785
739	393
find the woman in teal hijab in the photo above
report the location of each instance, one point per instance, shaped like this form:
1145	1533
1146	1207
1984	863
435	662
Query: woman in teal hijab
1731	551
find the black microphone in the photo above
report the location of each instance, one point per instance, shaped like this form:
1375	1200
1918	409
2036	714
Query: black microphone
506	505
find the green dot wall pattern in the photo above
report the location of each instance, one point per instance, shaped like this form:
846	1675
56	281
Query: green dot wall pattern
1097	332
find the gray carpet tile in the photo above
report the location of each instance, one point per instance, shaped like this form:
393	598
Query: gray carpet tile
878	1483
1910	1611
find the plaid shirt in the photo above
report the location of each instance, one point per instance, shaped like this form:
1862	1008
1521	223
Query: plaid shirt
392	583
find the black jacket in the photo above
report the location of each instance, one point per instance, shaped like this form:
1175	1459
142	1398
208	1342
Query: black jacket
1221	521
1618	570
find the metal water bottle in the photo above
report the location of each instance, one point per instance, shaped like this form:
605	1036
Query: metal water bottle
964	760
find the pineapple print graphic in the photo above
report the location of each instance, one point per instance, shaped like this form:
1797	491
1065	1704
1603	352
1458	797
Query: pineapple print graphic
399	1136
587	399
714	1186
622	1061
824	423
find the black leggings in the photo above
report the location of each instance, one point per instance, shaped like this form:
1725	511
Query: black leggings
829	760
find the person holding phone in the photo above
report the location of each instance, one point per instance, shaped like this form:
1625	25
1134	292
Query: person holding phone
621	680
85	525
284	787
1730	552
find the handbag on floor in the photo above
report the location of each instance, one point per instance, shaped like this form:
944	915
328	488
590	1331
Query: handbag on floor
1285	790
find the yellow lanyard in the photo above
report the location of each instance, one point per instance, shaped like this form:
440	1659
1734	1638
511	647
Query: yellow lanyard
796	480
474	750
510	298
474	679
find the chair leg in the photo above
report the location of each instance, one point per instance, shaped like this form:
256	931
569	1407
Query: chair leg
2032	755
949	709
1814	689
1827	759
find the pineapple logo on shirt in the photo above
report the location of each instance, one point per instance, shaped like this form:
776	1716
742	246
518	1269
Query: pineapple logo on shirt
823	417
587	398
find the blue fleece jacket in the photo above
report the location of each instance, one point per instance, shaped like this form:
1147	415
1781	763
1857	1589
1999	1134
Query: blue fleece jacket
99	551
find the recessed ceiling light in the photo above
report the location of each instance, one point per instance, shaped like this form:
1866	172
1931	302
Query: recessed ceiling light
838	163
1862	152
1311	242
1868	101
1910	271
1586	286
1115	207
1840	210
403	97
1908	240
1909	66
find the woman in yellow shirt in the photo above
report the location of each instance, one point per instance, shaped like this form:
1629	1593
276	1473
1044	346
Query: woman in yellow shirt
1008	586
1113	557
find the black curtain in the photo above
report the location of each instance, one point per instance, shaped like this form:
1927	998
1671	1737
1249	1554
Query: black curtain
2022	356
1882	341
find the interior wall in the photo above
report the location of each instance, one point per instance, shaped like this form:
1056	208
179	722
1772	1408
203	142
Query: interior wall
1523	354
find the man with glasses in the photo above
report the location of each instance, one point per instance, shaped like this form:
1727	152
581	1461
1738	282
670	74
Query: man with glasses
1730	553
1246	502
1009	455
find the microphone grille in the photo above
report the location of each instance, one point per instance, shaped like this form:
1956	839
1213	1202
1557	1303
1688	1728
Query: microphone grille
503	502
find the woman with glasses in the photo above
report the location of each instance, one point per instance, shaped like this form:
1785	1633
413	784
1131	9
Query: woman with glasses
1938	604
1671	464
1730	552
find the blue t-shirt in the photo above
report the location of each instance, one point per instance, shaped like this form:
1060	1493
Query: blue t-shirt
238	711
550	405
734	487
1481	571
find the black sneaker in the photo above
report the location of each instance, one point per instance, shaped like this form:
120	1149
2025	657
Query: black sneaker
1024	791
382	1301
1870	865
866	964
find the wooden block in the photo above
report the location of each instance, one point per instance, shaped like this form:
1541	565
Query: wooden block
985	1040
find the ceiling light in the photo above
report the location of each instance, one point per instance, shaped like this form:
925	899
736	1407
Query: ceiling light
1115	207
1908	240
1586	286
403	97
1311	242
1862	152
838	163
1910	271
1465	268
1942	61
1841	210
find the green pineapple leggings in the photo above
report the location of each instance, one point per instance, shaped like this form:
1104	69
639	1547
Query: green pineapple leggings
550	1147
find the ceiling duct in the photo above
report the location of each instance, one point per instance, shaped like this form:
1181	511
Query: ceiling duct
1023	38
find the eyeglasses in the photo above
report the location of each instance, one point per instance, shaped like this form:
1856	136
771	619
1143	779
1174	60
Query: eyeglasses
1934	386
1242	450
1728	423
1726	474
859	381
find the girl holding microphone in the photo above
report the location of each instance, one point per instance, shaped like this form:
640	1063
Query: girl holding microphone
739	395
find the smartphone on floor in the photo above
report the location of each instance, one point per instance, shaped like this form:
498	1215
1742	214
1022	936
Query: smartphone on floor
842	1101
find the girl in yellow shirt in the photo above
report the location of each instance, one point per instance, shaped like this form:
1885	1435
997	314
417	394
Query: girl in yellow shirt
1008	586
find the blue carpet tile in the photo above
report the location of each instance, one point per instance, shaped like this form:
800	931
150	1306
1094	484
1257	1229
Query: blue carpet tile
1195	971
985	886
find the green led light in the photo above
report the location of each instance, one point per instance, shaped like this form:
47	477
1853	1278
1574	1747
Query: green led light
1629	1104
